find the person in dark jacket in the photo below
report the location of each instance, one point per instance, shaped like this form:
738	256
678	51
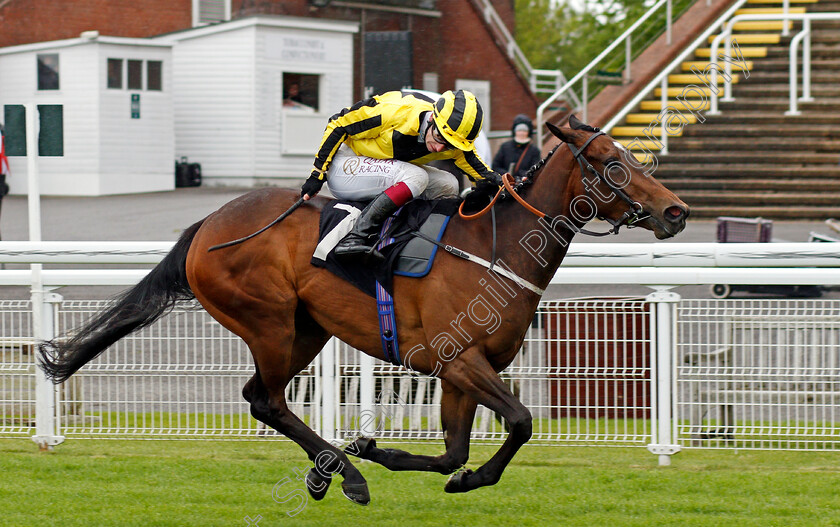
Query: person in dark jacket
519	154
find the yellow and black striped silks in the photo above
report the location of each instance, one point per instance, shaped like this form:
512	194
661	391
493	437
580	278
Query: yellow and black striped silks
387	126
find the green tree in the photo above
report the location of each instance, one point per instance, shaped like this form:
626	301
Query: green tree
554	35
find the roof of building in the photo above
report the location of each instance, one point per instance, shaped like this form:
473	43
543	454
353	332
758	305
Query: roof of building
88	37
288	22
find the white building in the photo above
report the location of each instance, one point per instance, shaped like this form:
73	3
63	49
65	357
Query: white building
106	114
231	81
122	110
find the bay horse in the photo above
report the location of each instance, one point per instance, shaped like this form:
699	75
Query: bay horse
285	309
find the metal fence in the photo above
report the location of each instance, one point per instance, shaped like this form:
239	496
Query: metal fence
761	374
583	371
17	370
747	374
660	371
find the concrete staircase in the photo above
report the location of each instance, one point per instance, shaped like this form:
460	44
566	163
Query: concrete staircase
753	160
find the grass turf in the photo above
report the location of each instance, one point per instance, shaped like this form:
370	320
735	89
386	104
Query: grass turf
101	482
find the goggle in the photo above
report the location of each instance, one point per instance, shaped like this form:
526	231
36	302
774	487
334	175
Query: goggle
437	137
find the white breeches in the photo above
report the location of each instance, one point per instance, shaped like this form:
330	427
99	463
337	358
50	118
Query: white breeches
353	177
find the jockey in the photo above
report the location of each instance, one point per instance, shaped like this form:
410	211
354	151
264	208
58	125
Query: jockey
378	148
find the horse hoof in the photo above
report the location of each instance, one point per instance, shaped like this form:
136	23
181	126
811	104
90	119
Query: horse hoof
361	447
317	485
457	482
356	492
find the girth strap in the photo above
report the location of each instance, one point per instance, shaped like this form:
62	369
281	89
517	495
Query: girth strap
454	251
387	325
385	306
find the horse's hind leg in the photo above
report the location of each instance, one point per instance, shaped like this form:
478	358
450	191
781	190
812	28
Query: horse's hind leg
457	411
266	393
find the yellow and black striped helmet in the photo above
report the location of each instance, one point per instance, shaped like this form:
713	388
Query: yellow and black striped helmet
458	116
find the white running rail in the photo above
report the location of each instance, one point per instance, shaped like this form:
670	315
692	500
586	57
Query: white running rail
663	379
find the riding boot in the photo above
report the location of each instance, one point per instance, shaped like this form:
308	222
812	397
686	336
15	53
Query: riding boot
360	243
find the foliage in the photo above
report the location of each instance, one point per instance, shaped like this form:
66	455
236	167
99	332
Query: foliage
555	35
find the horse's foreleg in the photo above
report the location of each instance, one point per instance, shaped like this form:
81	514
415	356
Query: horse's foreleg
457	411
471	372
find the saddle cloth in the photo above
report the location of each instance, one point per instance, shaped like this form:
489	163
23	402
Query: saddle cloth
405	254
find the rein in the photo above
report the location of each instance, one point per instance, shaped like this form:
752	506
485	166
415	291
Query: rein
629	218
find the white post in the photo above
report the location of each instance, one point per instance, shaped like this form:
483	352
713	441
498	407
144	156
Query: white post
786	20
33	189
43	312
47	425
663	97
713	96
727	66
806	62
628	58
663	325
585	97
792	73
367	413
328	364
668	16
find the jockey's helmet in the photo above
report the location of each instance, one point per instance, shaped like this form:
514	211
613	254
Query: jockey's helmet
458	117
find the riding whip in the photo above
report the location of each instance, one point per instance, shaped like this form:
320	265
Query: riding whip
273	223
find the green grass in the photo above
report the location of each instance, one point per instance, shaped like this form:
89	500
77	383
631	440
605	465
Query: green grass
101	482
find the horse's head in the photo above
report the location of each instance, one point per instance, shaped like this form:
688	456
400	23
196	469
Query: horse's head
612	179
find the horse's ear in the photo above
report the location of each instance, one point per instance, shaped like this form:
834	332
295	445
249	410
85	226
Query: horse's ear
576	124
559	133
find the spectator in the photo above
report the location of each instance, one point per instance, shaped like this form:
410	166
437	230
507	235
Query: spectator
292	94
294	99
4	166
517	155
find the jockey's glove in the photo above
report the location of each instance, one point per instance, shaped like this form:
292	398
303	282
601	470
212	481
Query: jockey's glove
486	187
480	196
311	186
493	177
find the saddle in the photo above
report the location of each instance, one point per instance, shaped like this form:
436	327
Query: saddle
406	254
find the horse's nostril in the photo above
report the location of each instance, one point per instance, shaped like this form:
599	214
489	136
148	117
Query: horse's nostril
674	213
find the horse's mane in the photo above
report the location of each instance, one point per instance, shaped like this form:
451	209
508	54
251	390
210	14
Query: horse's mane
531	174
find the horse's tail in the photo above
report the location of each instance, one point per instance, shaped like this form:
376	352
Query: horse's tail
132	310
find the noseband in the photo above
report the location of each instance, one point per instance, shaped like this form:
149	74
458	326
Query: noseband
629	218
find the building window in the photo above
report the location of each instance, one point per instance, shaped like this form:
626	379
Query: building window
48	71
115	73
210	11
154	75
135	74
301	91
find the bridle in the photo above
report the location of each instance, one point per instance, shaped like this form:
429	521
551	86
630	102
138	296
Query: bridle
630	218
635	214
